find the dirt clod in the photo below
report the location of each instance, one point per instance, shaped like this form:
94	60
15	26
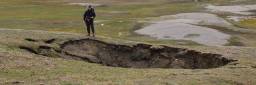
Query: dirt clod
50	41
28	49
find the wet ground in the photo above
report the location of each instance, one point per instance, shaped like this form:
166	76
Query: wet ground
197	26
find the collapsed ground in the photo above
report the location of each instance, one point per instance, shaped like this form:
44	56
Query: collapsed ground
136	56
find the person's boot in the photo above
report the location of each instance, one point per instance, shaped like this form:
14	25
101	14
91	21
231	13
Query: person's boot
88	34
93	35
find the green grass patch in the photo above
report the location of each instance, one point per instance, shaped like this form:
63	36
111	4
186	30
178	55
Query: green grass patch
234	41
248	23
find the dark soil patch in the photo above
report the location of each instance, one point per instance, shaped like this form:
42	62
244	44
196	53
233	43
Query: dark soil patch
136	56
141	55
50	41
28	49
253	66
31	40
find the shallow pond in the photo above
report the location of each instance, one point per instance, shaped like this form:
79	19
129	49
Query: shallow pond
183	27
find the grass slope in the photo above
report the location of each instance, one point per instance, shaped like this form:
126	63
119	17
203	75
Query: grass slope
22	67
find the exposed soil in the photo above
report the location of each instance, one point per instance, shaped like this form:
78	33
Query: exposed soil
31	40
136	56
142	55
50	41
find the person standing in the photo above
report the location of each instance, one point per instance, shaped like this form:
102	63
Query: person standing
89	17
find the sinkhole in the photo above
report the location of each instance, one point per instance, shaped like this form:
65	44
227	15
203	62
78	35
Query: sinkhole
140	55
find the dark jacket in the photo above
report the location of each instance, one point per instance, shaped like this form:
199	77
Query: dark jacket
89	14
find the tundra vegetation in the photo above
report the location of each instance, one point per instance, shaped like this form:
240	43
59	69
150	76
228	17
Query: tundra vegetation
44	42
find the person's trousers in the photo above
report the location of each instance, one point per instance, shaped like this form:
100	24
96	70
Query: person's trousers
90	25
